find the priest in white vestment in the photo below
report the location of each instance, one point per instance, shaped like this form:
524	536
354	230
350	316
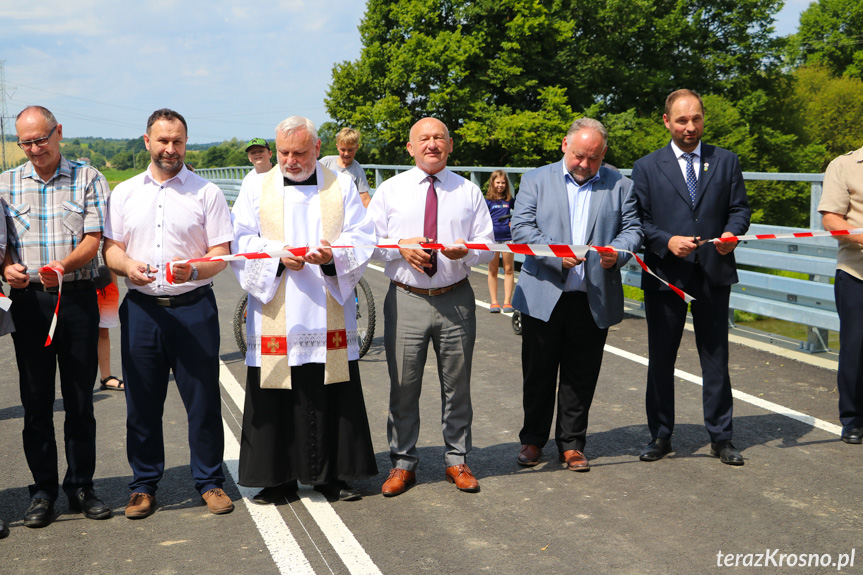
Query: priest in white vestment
304	417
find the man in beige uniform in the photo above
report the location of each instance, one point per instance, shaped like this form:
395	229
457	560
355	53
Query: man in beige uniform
841	208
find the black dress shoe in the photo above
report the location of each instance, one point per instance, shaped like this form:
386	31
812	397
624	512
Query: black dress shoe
338	490
726	453
276	493
40	513
656	449
4	529
853	435
84	501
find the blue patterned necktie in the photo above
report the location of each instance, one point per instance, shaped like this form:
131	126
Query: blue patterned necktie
691	182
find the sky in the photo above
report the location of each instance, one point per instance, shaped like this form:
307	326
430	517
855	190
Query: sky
232	69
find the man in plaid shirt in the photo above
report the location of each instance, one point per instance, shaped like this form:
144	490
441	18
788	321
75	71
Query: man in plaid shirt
54	212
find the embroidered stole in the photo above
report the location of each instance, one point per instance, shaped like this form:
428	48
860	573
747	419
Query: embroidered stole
275	371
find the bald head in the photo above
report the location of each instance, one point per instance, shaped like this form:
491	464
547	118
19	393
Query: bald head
430	145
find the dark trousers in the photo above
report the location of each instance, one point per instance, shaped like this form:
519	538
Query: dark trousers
73	350
849	302
184	340
666	316
571	342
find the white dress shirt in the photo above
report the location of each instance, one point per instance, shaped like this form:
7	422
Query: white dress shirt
398	212
183	217
681	161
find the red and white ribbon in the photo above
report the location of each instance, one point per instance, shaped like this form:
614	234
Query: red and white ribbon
5	302
45	270
547	250
812	234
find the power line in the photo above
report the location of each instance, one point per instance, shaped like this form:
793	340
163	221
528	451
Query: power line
3	112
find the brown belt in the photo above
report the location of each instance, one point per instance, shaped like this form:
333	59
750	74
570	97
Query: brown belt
429	291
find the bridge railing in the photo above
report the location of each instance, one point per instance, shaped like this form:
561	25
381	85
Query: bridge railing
808	301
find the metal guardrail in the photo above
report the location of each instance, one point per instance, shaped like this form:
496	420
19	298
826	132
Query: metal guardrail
805	301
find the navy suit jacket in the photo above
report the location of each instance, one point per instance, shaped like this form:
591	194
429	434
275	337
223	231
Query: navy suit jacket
541	216
666	210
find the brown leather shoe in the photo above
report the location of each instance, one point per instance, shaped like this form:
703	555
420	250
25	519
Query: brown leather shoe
217	501
529	455
140	505
463	478
575	460
398	481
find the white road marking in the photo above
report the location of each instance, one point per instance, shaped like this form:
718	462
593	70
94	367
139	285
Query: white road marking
281	543
743	396
283	546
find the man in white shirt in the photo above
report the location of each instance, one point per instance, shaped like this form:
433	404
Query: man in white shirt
168	213
305	419
430	299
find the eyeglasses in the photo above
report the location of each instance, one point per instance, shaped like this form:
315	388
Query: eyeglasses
38	142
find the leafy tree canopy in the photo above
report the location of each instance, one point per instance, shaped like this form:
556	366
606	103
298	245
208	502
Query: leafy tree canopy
507	75
831	36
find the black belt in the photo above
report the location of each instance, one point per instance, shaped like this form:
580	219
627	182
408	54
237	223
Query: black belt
429	291
78	285
575	293
187	298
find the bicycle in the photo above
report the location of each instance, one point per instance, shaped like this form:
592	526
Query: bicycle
365	318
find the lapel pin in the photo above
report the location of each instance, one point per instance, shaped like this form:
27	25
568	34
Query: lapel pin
706	165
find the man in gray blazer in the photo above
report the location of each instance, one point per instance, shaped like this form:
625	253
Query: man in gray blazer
568	304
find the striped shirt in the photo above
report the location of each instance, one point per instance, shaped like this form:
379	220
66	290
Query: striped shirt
46	221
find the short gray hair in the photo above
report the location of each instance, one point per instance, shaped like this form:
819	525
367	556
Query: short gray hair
294	123
46	113
587	124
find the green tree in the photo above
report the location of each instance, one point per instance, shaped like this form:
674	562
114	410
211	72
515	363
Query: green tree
142	160
136	145
238	157
215	157
830	35
122	161
829	111
97	160
505	63
327	134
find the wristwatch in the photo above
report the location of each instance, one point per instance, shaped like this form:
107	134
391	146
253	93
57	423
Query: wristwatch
194	275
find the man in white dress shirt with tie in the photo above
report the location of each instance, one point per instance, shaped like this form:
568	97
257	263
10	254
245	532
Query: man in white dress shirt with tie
429	299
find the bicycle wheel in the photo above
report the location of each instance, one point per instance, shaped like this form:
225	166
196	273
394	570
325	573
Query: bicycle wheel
516	322
240	322
365	316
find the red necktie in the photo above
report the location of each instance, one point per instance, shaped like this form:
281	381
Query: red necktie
430	225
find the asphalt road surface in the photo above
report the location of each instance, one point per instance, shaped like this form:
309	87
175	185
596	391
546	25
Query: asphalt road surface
794	507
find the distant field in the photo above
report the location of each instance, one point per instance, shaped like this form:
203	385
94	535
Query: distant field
114	177
13	154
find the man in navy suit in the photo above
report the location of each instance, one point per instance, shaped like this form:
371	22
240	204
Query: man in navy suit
568	304
689	192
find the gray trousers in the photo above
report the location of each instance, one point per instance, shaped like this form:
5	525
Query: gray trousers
410	322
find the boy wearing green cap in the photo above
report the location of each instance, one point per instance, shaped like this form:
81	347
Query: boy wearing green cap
259	155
